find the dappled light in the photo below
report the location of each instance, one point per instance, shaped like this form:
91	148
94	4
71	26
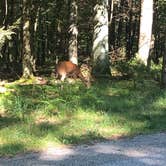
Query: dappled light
74	114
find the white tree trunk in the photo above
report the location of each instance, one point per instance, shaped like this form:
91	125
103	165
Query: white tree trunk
100	38
73	31
145	30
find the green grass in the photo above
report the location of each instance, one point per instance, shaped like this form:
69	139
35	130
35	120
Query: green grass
33	117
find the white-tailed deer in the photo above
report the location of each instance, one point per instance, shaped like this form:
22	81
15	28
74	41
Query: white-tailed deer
66	69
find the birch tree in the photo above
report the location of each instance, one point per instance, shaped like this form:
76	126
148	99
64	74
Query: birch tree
73	32
100	39
145	30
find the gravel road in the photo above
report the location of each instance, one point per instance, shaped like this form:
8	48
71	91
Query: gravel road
143	150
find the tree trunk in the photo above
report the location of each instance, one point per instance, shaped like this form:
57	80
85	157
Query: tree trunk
156	29
129	31
73	32
164	66
5	21
111	10
11	15
100	39
28	61
145	30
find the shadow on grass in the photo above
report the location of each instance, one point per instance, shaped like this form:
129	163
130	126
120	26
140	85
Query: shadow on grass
7	121
139	110
65	137
118	98
104	96
11	149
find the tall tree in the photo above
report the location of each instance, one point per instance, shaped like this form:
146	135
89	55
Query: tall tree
28	60
100	39
146	21
73	32
5	21
164	66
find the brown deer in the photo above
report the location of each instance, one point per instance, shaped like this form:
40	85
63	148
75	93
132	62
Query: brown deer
66	69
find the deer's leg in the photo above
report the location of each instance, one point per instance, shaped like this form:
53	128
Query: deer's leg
63	76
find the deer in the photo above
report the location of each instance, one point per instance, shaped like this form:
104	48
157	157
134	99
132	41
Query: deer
66	69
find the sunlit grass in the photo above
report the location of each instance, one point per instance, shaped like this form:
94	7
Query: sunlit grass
34	116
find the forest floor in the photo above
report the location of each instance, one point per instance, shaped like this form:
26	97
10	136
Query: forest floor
143	150
42	112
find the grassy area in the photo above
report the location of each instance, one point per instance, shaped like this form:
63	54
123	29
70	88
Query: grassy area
33	117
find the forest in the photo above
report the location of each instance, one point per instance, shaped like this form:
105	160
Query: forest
73	71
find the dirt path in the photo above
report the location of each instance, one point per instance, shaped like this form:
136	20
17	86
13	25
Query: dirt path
144	150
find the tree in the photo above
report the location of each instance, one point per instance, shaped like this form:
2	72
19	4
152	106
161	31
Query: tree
51	32
164	63
28	60
100	39
146	21
73	32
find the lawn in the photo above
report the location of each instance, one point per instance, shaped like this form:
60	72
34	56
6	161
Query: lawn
33	117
